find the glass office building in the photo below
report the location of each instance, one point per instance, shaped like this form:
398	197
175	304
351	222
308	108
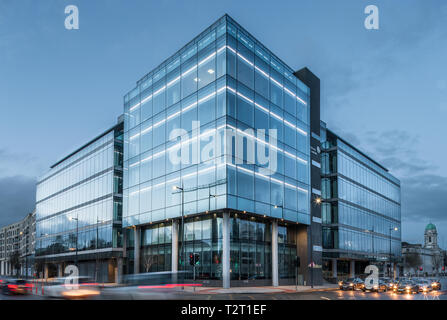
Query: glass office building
218	134
361	210
79	210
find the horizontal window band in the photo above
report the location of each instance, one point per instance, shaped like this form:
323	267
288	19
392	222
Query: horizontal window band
110	195
96	175
185	73
77	160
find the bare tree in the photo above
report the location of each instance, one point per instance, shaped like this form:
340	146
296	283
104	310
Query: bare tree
437	261
148	260
412	260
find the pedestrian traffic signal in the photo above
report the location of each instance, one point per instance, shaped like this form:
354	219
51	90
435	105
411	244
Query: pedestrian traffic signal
297	262
194	259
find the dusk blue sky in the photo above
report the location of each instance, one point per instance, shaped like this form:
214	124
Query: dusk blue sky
383	90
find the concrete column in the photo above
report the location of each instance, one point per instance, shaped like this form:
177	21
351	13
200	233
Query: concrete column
334	268
352	269
137	242
45	272
119	270
124	231
275	281
59	270
174	237
226	250
396	271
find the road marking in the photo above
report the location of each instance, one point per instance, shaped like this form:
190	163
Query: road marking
325	298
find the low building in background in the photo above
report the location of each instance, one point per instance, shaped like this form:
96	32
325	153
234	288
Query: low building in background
79	210
426	259
361	211
27	239
17	247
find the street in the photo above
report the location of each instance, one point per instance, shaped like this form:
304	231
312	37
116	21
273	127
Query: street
330	294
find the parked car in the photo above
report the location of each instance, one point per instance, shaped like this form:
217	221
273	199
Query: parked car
406	286
15	286
424	285
435	284
351	284
390	283
380	287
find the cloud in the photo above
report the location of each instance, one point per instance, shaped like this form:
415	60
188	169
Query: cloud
18	163
423	198
17	198
422	192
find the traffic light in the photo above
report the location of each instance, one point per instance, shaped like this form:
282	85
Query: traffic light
297	262
196	258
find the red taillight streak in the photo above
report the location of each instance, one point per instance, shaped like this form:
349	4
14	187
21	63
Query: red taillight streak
171	286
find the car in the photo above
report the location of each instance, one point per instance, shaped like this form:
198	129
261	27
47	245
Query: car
15	286
406	286
351	284
72	288
435	284
424	285
381	286
390	283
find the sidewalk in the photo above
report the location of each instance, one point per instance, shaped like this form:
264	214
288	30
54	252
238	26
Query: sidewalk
269	289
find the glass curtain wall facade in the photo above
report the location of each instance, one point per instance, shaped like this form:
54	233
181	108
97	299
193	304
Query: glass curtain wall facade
217	91
79	207
361	210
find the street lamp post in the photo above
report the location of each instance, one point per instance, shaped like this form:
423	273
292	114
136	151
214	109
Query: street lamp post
77	229
41	245
372	241
26	255
182	190
389	270
209	200
317	201
282	210
97	248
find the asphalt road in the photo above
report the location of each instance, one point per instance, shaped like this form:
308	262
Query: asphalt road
319	295
316	295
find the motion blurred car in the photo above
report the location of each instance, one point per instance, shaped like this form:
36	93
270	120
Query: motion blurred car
351	284
152	285
15	286
380	287
406	286
72	288
435	284
424	285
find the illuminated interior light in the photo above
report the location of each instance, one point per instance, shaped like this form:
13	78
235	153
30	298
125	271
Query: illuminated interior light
170	83
159	90
196	79
189	70
210	71
207	58
207	97
245	59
